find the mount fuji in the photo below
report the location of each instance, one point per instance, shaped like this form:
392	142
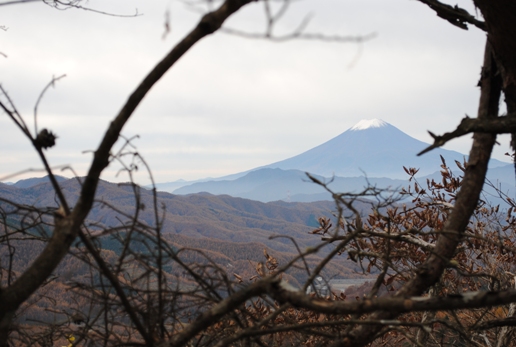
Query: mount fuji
374	148
371	148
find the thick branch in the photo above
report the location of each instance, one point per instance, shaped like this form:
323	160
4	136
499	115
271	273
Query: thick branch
42	267
500	17
454	14
398	305
408	238
14	2
67	227
500	125
431	270
506	322
208	24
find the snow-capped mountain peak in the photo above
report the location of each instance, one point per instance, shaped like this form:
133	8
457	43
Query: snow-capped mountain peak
368	123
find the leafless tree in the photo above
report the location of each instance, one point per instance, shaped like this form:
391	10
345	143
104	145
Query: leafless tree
129	298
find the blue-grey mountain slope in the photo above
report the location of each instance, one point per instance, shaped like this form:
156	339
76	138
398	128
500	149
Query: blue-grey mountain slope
289	185
371	147
293	185
30	182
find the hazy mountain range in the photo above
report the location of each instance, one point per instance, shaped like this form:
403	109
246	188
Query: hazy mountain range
371	148
231	231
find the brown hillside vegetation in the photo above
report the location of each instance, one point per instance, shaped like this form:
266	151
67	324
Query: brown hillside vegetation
223	218
230	233
233	232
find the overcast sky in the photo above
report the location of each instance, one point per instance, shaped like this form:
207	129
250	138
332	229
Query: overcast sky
231	103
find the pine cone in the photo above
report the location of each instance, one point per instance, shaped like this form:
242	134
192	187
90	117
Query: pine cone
45	139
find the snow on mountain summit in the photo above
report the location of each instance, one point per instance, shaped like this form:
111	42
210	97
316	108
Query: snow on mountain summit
368	123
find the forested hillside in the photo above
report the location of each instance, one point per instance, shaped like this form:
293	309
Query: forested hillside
232	232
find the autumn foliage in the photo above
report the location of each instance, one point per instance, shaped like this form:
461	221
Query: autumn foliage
386	244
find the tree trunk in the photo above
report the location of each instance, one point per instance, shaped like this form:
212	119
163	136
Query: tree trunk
428	273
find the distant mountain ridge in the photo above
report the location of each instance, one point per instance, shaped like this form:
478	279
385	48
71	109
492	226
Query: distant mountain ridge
30	182
371	148
289	185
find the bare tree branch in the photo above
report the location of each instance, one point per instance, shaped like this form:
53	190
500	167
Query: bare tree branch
68	225
396	305
454	14
50	84
506	322
429	272
300	35
15	2
501	125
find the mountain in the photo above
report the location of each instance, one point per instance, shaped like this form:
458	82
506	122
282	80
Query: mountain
230	230
371	147
293	185
34	181
505	174
171	186
288	185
